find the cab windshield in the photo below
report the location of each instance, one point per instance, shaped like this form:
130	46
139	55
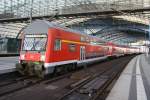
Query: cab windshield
34	42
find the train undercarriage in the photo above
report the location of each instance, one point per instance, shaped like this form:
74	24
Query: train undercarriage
31	69
38	69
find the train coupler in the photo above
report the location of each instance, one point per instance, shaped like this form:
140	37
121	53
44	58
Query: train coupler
20	68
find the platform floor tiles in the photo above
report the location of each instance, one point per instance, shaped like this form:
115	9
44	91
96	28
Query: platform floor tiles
7	64
134	82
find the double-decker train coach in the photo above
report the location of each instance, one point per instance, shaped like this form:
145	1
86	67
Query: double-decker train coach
46	48
133	50
116	50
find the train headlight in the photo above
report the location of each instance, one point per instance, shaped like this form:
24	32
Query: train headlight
42	58
22	57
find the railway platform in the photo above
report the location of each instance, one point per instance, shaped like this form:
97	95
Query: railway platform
134	82
7	64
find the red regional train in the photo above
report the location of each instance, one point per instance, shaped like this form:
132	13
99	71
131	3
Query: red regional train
48	48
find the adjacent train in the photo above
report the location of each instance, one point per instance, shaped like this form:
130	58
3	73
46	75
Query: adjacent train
49	48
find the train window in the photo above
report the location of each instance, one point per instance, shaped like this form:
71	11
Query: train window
82	39
57	45
72	47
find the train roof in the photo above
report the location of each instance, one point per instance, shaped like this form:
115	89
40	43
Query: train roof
42	26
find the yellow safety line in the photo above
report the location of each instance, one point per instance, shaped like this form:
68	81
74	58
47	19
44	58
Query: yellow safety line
68	41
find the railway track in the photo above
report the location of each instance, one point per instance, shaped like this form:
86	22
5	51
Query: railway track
79	85
86	84
95	87
12	81
10	78
21	82
16	85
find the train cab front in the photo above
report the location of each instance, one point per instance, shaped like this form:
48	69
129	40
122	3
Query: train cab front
32	55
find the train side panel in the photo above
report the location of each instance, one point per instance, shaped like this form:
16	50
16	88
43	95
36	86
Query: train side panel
69	47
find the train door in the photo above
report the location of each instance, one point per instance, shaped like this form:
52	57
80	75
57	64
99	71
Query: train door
82	52
110	48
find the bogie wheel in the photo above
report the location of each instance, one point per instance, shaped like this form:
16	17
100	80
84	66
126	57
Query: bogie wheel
74	66
39	72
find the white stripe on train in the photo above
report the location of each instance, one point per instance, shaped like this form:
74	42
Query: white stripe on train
51	66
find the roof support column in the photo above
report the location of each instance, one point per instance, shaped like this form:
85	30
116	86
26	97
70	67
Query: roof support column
31	11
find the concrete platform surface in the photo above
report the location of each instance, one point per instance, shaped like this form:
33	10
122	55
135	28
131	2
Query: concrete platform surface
7	64
134	82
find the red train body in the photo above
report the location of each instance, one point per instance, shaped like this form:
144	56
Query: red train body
47	47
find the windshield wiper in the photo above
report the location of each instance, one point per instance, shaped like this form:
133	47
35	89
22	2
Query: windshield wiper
34	45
